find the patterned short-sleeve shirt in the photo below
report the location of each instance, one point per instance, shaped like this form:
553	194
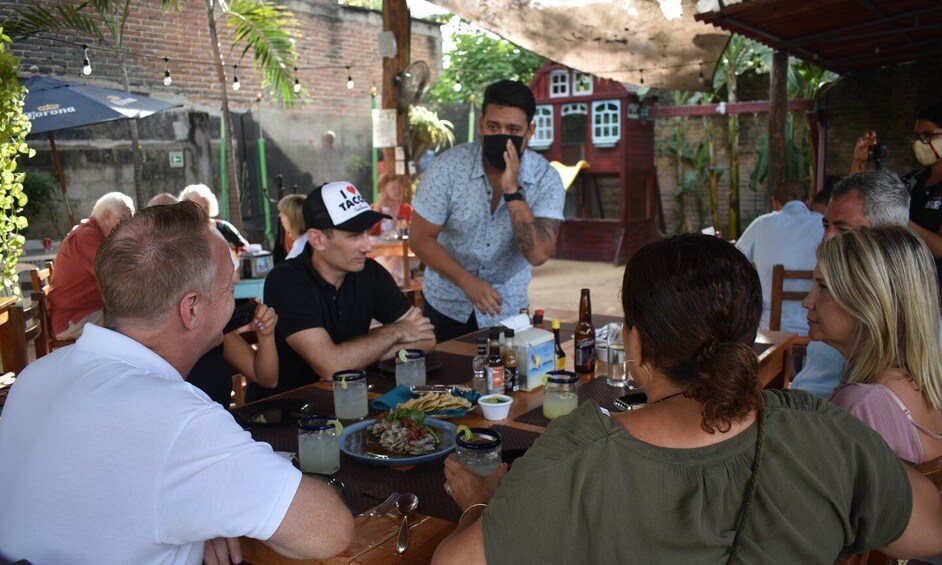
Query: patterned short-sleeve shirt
455	194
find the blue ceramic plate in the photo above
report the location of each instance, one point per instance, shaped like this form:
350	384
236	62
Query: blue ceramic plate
357	442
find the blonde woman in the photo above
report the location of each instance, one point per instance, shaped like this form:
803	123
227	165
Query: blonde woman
875	300
292	220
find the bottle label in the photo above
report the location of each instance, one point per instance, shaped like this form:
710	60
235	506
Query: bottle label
495	380
585	351
511	383
560	363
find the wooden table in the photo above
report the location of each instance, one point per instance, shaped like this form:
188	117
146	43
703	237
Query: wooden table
394	248
428	531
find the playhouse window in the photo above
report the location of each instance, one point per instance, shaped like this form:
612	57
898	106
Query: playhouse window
606	123
559	84
543	134
581	84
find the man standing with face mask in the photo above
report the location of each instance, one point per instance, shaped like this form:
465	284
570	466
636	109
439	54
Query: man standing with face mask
485	213
925	185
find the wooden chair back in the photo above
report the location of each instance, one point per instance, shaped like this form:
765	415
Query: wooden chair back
41	287
779	295
23	328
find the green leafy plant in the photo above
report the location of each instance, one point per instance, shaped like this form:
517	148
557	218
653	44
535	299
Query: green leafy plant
427	130
477	59
14	126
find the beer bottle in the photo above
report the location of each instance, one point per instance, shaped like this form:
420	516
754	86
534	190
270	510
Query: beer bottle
585	336
538	319
495	365
560	354
509	354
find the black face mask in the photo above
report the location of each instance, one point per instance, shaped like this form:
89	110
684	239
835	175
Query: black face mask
495	145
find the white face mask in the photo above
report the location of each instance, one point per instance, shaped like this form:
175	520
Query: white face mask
926	153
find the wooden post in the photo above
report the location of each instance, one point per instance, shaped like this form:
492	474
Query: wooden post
778	98
396	19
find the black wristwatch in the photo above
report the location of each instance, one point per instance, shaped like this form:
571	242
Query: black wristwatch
515	196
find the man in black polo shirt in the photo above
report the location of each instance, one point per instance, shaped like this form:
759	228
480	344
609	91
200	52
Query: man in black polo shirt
327	297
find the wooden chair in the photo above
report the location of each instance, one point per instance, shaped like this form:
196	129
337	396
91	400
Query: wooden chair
23	328
779	295
932	470
238	389
41	288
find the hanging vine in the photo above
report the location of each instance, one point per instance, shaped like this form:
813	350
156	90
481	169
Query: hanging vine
13	129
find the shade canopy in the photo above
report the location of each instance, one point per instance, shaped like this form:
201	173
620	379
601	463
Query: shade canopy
615	39
54	105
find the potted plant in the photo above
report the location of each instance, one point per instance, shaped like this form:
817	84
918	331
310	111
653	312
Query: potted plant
427	130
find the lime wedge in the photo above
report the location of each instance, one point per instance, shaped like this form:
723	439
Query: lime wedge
464	431
402	355
338	427
343	382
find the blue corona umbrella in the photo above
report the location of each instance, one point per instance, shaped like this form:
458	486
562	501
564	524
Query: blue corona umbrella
54	105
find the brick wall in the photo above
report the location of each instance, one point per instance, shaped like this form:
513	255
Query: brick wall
885	100
332	36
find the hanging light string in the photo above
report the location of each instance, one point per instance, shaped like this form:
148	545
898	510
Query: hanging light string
236	85
168	78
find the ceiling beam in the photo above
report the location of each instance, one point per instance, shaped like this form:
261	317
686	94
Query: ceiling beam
840	32
882	18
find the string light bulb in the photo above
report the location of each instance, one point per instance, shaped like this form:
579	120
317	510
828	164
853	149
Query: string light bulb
297	83
86	64
168	80
641	72
350	84
700	79
457	83
236	85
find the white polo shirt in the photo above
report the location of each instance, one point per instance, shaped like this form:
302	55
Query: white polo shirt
108	456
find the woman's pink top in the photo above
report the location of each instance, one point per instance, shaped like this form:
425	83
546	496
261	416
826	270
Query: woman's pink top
883	411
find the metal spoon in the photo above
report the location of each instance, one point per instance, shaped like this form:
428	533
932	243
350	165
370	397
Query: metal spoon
406	504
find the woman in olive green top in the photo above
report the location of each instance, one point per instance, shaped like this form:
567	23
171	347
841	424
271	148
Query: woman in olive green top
712	470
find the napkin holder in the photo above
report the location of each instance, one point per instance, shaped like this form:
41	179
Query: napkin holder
535	356
256	265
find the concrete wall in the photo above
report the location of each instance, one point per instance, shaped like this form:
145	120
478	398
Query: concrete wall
97	159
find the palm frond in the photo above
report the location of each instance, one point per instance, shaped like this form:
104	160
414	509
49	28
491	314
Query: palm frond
33	20
268	30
